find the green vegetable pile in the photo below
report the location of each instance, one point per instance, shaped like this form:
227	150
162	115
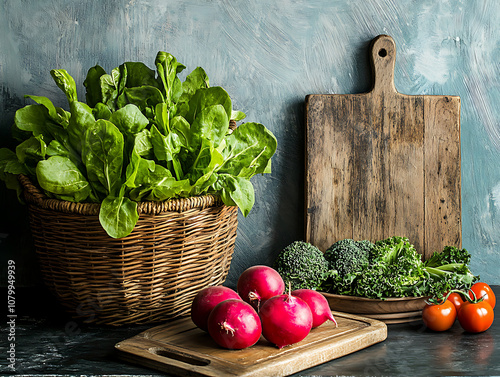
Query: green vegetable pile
386	268
142	135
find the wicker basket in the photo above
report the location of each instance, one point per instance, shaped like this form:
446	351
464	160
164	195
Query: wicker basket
177	248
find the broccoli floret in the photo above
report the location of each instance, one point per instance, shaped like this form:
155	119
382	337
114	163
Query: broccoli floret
302	265
348	256
347	259
372	249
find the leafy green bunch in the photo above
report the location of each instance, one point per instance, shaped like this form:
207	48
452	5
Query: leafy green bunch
142	135
449	270
393	268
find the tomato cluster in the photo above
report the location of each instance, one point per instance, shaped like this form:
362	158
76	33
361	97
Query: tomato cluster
473	310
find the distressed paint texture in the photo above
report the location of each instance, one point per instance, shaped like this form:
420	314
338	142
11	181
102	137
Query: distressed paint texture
269	55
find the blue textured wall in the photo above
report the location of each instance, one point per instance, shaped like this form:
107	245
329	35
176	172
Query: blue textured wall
269	55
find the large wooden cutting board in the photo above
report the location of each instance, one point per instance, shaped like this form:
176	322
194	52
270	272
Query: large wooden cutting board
383	164
180	348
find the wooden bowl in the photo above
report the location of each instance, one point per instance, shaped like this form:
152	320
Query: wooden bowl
389	310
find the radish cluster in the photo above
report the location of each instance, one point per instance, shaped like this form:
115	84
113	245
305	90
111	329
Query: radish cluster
236	320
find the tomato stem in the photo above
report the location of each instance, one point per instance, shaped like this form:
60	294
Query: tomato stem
474	300
436	301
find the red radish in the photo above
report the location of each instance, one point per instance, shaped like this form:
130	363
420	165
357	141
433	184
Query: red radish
234	324
259	283
205	300
318	304
285	320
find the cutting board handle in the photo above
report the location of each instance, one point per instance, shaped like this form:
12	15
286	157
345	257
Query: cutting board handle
383	57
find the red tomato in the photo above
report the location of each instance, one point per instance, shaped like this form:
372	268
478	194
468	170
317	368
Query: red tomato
485	291
476	317
439	317
456	299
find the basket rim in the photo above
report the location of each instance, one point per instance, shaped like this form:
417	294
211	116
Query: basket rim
34	196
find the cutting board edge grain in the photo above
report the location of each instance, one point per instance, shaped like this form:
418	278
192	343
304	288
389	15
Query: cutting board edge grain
142	350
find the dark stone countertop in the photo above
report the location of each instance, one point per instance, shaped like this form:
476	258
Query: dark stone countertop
50	343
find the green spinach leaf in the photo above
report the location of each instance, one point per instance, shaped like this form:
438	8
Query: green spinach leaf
204	175
154	182
237	115
53	114
206	97
9	162
166	148
32	118
118	215
236	191
101	111
144	97
197	79
211	123
102	155
33	148
129	120
248	150
92	83
66	83
168	67
105	88
81	120
138	74
60	176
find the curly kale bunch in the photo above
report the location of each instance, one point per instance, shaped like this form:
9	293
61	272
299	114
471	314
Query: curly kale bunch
393	268
396	270
450	254
302	265
448	270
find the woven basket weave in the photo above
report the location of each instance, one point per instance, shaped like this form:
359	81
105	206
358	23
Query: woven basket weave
177	248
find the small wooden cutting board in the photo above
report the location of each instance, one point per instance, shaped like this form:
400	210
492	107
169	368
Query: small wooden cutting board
383	164
180	348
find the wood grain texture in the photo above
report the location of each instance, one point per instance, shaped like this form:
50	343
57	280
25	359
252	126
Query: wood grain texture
180	348
382	163
442	178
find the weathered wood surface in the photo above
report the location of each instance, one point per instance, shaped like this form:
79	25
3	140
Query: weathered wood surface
180	348
382	163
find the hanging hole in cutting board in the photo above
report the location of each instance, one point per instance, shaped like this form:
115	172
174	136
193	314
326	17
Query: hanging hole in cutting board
382	52
188	359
